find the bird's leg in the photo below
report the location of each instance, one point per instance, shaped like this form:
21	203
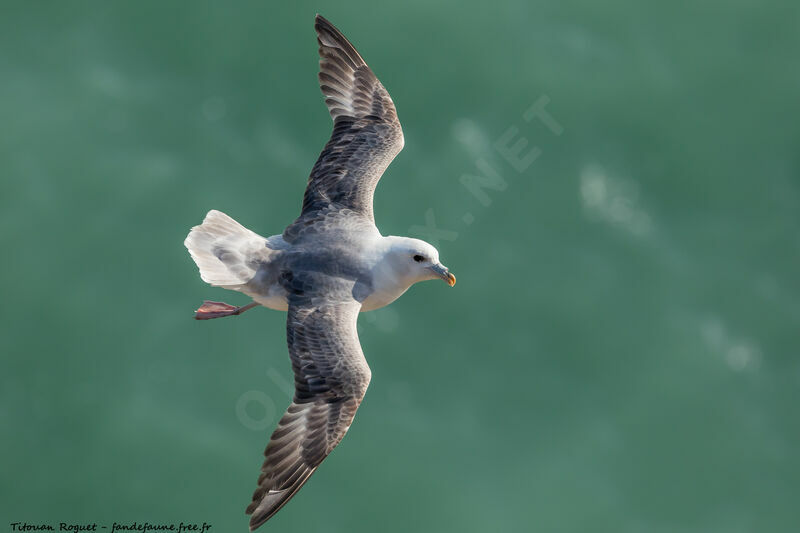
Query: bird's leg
211	310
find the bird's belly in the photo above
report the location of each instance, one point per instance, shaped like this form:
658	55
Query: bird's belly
275	298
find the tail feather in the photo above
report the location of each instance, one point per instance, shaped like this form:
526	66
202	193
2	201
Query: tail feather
224	250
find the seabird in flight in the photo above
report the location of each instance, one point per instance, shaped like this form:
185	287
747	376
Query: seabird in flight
327	266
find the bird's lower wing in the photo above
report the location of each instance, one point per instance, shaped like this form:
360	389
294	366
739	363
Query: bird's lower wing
331	377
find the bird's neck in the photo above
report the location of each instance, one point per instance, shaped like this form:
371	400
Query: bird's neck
389	276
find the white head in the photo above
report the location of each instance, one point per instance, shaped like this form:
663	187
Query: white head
413	260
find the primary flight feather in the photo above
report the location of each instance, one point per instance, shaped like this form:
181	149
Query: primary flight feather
327	266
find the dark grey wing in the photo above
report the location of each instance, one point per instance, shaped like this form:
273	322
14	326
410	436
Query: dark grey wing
366	132
331	377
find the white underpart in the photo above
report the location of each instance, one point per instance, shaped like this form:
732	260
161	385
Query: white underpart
227	254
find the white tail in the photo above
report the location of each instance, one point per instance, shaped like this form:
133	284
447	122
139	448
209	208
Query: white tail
224	250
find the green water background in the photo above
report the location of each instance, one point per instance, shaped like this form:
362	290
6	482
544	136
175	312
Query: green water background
620	353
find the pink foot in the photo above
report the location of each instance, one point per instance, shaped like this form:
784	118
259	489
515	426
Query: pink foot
210	310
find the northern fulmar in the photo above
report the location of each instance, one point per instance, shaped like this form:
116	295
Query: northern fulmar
327	266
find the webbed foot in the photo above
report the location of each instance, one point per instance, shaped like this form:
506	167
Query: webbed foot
210	310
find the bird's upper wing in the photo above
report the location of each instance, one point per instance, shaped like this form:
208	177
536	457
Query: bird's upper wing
366	132
331	377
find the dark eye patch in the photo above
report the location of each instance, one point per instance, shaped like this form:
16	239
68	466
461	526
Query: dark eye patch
418	258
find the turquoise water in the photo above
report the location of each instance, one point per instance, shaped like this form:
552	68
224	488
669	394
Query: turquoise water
620	353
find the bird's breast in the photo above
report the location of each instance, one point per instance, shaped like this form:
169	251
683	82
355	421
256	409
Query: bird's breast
385	286
382	297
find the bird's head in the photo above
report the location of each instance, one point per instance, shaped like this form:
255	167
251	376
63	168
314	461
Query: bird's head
416	260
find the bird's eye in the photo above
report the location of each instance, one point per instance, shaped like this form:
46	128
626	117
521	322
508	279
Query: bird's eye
418	258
